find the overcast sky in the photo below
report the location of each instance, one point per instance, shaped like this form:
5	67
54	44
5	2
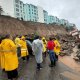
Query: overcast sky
63	9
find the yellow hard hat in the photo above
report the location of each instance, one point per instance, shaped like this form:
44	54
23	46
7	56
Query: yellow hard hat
43	38
22	37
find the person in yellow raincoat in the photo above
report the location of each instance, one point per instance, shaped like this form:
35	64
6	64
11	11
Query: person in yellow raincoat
1	54
1	59
57	48
24	49
17	42
8	48
44	46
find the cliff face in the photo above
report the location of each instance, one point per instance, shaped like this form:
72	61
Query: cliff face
14	26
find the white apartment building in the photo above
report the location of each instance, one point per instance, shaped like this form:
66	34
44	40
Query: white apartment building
13	8
40	14
19	9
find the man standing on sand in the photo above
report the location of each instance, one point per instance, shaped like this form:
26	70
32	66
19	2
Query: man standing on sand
37	47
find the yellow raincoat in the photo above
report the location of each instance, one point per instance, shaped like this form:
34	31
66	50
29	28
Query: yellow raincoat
17	41
8	49
44	44
57	47
1	59
24	49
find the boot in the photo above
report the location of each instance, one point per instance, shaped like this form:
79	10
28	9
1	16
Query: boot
52	64
28	58
41	66
45	54
38	66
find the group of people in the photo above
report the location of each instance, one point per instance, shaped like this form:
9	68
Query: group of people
10	51
40	45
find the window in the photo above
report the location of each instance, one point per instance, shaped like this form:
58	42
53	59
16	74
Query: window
35	20
35	13
17	5
34	6
17	14
29	5
17	9
21	7
29	12
20	2
24	17
21	10
44	19
17	1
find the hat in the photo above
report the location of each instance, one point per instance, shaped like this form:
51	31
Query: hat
43	38
22	37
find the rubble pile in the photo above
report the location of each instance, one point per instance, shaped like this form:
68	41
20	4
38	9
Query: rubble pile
67	44
76	52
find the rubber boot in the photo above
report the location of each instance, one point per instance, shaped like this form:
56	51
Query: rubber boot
52	64
38	66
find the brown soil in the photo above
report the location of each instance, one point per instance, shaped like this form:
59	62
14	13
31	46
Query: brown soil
14	26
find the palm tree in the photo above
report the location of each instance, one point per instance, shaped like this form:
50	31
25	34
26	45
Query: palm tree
1	10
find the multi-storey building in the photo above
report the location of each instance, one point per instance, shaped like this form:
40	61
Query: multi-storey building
40	14
67	24
71	24
53	19
63	22
13	8
50	19
31	12
57	21
19	9
45	16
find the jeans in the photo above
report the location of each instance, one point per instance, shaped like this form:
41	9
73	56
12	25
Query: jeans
52	55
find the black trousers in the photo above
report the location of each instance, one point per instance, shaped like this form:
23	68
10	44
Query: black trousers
44	54
56	57
12	74
26	57
23	58
19	51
